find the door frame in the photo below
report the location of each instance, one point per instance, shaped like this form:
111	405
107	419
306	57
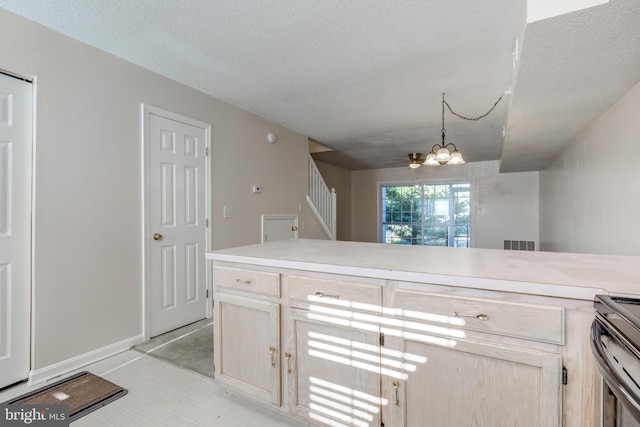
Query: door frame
146	111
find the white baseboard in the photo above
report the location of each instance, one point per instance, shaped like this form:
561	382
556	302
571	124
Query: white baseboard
41	375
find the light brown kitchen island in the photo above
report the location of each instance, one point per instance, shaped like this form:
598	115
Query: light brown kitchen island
364	334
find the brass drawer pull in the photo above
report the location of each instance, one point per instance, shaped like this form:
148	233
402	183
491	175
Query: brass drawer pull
321	294
287	356
272	350
243	282
396	385
480	316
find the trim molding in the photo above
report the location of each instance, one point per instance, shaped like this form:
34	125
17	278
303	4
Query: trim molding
41	375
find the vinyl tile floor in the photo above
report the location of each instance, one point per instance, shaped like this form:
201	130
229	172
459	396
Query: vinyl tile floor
190	347
163	394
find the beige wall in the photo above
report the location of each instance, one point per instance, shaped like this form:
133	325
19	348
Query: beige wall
87	265
505	206
340	179
590	198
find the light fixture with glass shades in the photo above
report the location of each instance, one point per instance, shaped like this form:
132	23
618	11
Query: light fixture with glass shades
415	160
445	153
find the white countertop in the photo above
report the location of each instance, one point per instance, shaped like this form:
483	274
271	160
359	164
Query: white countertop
563	275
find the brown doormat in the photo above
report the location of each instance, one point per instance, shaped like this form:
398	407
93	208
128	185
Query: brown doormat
83	392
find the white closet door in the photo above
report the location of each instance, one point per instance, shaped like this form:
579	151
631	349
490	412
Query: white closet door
15	227
177	223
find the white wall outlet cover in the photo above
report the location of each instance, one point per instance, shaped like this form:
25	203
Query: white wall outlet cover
272	138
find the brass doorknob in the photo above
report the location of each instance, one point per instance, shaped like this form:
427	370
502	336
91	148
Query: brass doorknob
294	228
157	236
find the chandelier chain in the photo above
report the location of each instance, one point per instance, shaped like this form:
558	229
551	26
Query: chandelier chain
441	154
444	102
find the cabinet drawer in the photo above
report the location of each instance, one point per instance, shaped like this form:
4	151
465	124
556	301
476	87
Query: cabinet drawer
335	291
247	280
536	322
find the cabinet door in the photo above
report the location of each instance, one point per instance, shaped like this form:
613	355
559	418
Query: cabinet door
465	383
247	346
332	371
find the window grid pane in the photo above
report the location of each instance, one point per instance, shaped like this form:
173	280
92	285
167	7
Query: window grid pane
426	214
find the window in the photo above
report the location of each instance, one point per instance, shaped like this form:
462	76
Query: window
427	214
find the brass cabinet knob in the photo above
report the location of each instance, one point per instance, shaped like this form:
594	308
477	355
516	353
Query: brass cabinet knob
157	236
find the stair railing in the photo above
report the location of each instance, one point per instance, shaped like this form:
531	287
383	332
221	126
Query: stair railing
322	200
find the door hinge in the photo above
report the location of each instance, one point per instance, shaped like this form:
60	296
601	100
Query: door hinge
207	294
206	151
564	375
206	222
381	339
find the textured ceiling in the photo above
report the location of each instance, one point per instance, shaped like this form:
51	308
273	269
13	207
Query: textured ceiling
573	68
365	78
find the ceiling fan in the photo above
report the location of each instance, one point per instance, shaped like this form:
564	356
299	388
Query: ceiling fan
415	160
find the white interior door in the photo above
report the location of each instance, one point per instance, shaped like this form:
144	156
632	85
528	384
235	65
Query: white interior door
177	233
15	227
278	227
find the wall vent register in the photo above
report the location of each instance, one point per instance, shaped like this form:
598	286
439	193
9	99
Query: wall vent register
520	245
